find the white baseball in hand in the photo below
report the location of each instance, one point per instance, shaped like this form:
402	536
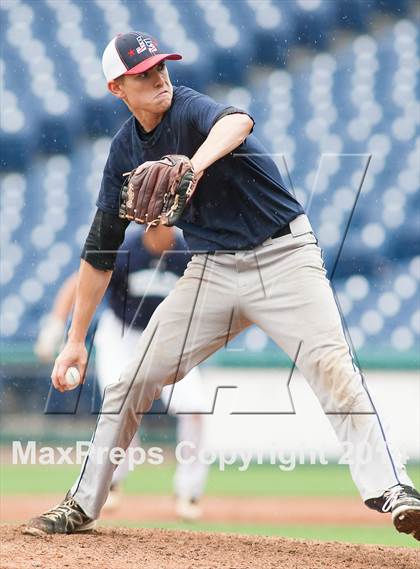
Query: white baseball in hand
72	378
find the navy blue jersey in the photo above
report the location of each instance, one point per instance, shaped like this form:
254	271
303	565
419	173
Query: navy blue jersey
239	202
141	280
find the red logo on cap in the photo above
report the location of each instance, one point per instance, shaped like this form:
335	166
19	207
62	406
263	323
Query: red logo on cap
131	52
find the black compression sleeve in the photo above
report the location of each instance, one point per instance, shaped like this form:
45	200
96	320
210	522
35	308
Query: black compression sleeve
105	237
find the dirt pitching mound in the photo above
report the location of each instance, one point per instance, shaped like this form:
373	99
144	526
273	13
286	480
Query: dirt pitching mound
165	549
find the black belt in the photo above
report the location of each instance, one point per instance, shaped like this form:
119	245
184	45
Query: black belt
282	232
279	233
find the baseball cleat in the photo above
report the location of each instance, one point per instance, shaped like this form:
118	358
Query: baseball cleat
404	504
67	517
188	509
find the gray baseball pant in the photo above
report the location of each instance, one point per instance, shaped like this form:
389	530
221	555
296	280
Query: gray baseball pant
282	287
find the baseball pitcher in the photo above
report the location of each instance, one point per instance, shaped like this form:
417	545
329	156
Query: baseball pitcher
183	159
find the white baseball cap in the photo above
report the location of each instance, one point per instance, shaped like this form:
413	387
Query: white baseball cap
132	53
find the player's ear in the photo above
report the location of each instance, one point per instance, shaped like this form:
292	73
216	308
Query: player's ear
116	87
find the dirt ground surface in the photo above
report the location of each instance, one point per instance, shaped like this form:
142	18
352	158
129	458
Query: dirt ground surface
168	549
287	510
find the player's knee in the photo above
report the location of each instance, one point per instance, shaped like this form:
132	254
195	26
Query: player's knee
135	390
334	375
330	362
142	381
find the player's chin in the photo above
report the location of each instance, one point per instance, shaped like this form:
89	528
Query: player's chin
163	102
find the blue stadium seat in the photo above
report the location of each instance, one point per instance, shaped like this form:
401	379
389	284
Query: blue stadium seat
314	22
360	100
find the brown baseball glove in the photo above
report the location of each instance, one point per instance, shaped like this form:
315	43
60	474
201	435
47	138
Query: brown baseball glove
157	192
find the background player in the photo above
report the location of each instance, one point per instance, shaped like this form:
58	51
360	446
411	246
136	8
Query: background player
146	270
275	278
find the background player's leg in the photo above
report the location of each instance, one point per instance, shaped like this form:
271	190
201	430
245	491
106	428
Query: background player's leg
296	307
190	477
185	400
190	324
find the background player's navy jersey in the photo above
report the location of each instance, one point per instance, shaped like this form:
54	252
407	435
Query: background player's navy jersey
141	281
239	201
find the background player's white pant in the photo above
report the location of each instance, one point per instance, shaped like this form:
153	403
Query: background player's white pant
114	348
282	287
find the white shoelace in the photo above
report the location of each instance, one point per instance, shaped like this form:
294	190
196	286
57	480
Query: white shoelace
392	495
66	508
